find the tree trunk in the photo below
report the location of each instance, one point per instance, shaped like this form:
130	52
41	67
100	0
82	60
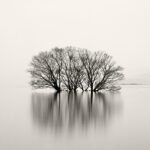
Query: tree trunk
57	88
91	86
59	78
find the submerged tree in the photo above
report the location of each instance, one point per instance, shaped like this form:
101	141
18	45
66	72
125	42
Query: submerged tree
71	68
46	69
110	74
73	73
100	70
92	63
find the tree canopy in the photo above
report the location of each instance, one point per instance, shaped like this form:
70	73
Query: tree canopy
71	68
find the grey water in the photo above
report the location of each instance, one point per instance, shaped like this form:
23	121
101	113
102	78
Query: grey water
45	120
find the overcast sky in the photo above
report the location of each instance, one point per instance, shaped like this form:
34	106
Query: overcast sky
119	27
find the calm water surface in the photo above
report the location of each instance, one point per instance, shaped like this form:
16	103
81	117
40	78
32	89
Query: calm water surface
44	120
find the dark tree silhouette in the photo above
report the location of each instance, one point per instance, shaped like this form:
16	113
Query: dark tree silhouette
46	69
110	75
92	63
100	70
72	68
73	74
57	55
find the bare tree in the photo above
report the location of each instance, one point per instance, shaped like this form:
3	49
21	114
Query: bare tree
44	71
101	71
92	63
57	55
72	68
110	75
72	75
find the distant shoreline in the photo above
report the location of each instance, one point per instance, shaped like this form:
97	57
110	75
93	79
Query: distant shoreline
134	84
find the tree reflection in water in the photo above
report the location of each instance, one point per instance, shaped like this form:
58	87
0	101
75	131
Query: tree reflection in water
69	111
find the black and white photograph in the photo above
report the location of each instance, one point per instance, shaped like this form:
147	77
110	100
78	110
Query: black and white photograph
75	75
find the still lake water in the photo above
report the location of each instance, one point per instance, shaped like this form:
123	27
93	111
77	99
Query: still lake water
37	120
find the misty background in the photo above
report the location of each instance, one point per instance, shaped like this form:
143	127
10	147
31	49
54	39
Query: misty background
119	27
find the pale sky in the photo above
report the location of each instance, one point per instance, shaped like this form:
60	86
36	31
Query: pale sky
119	27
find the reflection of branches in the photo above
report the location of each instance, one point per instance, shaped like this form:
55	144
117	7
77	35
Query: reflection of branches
60	111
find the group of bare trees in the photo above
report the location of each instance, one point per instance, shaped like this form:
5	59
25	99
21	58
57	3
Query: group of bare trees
72	68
